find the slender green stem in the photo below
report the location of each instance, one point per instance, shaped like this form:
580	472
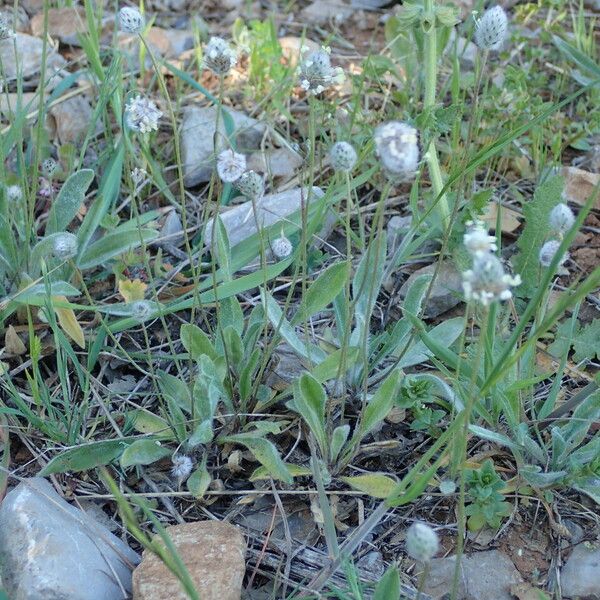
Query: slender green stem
462	455
429	98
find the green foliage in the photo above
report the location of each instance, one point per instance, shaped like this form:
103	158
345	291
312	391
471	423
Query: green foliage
388	587
535	233
584	340
487	505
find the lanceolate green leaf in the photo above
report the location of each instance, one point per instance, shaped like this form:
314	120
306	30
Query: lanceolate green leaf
380	404
86	456
310	401
265	452
143	452
322	291
112	245
546	197
69	200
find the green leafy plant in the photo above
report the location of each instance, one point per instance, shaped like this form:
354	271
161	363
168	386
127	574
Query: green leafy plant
487	505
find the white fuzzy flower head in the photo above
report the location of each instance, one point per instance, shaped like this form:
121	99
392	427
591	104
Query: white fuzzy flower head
142	114
138	176
65	246
548	252
487	281
397	147
282	247
141	309
219	57
182	466
230	165
490	30
6	29
343	157
14	193
422	542
561	219
477	241
251	185
130	20
316	74
49	167
447	487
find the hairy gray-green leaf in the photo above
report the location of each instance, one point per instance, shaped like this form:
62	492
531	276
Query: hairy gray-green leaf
69	200
265	452
535	233
143	452
86	456
310	401
112	245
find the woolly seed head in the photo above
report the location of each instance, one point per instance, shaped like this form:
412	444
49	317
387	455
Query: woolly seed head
219	57
141	309
282	247
548	252
343	157
490	30
422	542
397	148
141	114
316	74
251	185
65	246
447	487
49	167
14	193
138	176
130	20
230	165
561	219
487	281
181	466
477	240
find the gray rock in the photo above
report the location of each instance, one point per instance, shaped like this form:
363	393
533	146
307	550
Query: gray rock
322	12
466	50
240	222
280	162
484	576
397	228
70	120
580	577
50	549
28	58
197	140
447	288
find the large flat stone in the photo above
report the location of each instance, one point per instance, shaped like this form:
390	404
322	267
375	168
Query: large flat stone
197	140
446	292
483	576
580	577
52	550
240	222
23	54
213	553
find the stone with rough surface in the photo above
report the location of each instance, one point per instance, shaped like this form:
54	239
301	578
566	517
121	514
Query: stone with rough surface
71	119
240	222
580	185
447	288
63	23
197	140
484	576
52	550
580	577
213	553
28	57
